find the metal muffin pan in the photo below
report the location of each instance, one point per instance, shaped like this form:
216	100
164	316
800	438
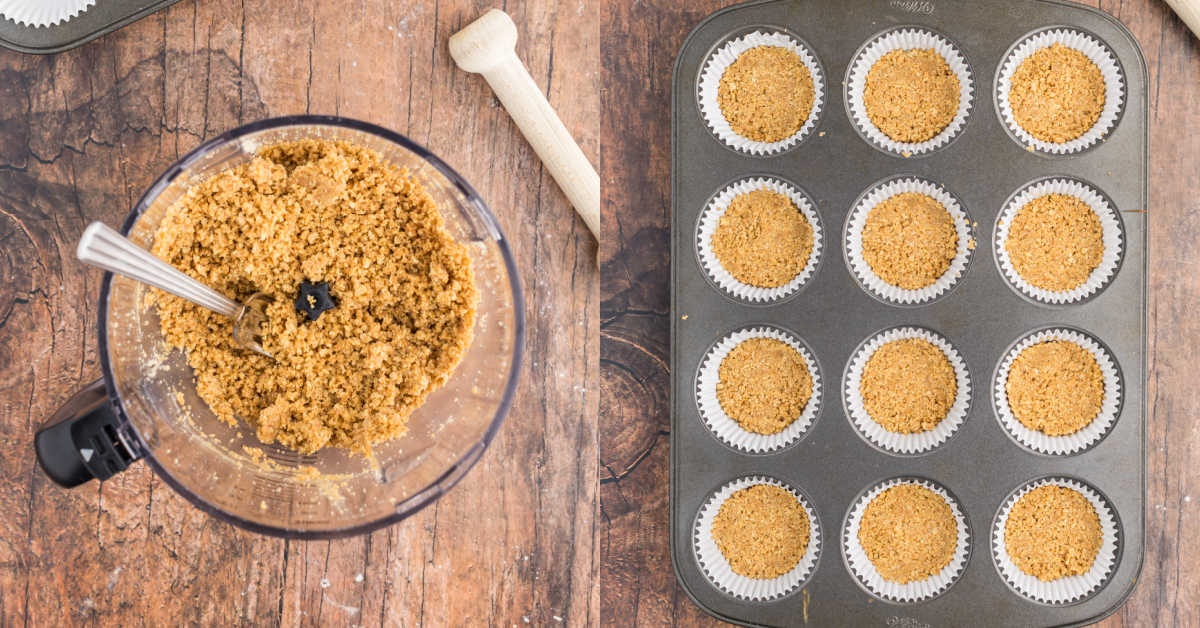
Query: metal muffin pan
982	316
99	19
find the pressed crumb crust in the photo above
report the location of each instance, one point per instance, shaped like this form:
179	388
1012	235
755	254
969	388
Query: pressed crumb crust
1055	387
1053	532
763	239
911	95
909	240
323	212
766	95
908	386
764	385
1057	94
1055	242
762	530
909	533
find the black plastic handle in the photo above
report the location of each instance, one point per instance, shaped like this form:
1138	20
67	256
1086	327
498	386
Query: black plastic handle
83	440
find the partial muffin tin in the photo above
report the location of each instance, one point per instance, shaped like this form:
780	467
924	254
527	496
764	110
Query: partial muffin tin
99	19
983	316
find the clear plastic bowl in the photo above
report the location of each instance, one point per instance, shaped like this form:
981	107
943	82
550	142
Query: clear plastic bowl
205	460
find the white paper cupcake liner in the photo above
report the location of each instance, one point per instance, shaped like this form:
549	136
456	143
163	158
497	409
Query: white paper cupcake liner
1089	434
1070	588
714	564
864	570
728	430
711	218
1114	87
862	270
39	13
919	442
710	80
908	39
1111	236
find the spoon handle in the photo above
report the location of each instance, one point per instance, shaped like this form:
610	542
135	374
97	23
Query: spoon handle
102	246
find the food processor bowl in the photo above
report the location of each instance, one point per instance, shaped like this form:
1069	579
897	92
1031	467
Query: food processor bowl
146	405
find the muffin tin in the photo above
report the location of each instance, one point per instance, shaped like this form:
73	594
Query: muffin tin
833	313
99	19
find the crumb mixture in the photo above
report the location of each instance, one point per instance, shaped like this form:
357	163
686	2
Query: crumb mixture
1055	242
764	385
909	533
763	239
766	94
1055	388
909	240
762	530
1057	94
908	386
1053	532
319	211
911	95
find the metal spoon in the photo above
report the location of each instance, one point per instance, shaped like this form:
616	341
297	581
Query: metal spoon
104	247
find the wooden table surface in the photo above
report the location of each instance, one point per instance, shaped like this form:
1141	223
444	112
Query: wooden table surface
637	582
81	136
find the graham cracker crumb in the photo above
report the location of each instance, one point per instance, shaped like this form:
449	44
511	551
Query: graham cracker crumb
764	385
1057	94
763	239
1055	388
908	386
324	212
762	531
1055	242
908	532
909	240
766	94
1053	532
911	95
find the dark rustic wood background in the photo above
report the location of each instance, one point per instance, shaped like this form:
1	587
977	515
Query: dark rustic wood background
81	136
640	41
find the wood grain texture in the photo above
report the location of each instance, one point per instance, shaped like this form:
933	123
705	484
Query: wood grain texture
81	136
638	586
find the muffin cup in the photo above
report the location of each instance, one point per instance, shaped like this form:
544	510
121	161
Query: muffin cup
1070	588
728	430
1110	235
873	283
921	590
714	564
1089	434
711	218
907	39
893	442
1092	48
710	80
39	13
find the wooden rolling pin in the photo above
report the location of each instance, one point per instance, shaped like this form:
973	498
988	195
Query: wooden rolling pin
488	46
1189	12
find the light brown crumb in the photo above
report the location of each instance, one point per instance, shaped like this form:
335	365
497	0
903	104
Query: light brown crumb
766	94
764	385
908	386
1053	532
1057	94
1055	242
908	532
911	95
762	531
909	240
1055	387
323	212
763	239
